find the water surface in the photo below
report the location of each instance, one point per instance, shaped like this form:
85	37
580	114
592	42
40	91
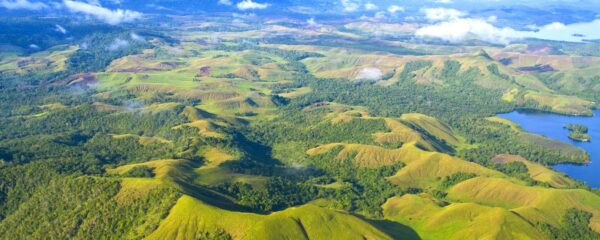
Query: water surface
551	125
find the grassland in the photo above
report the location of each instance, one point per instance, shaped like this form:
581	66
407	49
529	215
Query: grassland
422	169
533	203
191	218
227	83
458	220
538	172
51	60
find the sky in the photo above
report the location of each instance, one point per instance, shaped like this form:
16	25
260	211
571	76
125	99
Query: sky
493	21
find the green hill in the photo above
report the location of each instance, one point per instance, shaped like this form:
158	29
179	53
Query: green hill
191	218
458	220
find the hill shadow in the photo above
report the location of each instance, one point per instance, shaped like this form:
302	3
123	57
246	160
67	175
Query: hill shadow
393	229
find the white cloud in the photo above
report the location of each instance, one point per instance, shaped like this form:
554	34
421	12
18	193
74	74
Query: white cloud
442	14
136	37
444	1
225	2
60	29
34	46
457	30
370	74
304	10
249	4
371	6
460	29
555	26
22	4
380	15
312	23
117	44
350	5
395	9
574	32
112	17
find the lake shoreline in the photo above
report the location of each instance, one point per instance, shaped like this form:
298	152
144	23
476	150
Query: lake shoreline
551	125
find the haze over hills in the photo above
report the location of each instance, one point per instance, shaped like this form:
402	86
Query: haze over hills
293	119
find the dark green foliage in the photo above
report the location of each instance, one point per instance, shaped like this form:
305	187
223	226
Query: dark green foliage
455	178
439	194
277	194
216	235
493	68
101	49
577	128
512	168
53	136
125	150
450	70
574	225
410	67
85	208
17	184
319	132
578	132
518	170
279	100
368	191
140	172
365	190
581	137
496	138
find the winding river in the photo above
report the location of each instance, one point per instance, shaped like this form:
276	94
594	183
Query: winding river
551	125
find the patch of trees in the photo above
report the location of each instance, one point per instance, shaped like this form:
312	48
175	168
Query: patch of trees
495	138
493	68
578	132
140	172
309	127
518	170
277	194
587	87
573	225
410	67
100	49
453	179
18	183
86	208
366	189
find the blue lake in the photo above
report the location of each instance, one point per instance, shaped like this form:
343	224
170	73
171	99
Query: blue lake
551	125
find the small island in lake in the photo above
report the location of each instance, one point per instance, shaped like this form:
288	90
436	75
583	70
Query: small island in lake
579	133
